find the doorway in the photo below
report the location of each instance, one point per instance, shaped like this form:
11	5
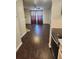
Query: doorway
37	17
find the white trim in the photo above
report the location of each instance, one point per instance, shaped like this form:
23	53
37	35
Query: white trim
50	39
21	42
27	30
23	34
18	46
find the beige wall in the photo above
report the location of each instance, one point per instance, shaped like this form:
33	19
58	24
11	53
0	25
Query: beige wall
27	17
20	22
20	15
56	19
56	23
46	19
47	16
18	38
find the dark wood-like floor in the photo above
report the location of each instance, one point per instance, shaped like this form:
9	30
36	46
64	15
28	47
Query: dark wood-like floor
35	43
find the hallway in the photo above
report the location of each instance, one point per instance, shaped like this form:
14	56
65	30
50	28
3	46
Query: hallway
35	43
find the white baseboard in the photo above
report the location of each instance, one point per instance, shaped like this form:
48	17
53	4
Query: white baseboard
49	44
25	33
18	46
21	37
21	42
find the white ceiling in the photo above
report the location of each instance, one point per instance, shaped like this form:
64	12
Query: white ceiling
44	4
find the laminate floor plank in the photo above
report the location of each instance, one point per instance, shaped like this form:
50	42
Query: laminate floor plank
35	43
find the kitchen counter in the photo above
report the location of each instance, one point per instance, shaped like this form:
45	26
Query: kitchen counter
56	41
